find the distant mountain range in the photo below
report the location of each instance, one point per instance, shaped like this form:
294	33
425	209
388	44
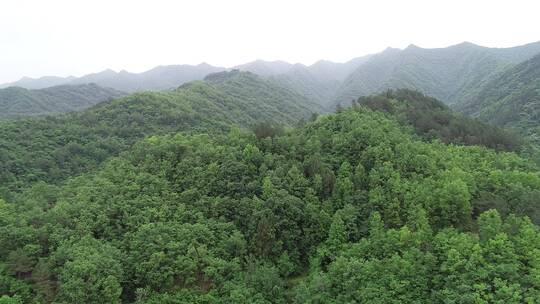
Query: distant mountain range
18	102
464	76
156	79
449	74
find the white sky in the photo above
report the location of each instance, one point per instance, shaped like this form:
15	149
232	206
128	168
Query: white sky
75	37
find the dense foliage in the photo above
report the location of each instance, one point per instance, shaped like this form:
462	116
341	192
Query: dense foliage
350	208
512	99
53	148
19	102
430	118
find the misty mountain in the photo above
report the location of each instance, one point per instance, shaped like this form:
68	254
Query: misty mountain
17	101
265	68
302	80
453	74
449	74
38	83
510	99
320	81
158	78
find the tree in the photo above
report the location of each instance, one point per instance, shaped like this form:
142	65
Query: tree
91	272
265	130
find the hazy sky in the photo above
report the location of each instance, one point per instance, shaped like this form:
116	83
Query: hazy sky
75	37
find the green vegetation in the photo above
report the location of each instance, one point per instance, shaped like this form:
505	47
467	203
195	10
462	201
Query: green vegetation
431	119
511	100
350	208
18	102
52	148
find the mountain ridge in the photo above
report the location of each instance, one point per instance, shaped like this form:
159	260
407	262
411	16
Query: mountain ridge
451	74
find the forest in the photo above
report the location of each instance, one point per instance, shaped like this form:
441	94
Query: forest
351	207
406	176
52	148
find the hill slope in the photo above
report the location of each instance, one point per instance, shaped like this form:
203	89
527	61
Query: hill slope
431	119
511	99
53	148
18	102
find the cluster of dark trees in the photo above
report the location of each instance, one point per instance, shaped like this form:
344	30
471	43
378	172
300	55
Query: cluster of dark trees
431	119
352	207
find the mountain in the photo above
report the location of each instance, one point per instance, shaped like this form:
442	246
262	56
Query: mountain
510	99
39	83
159	78
320	81
449	74
156	79
52	148
302	80
265	68
328	70
19	102
453	74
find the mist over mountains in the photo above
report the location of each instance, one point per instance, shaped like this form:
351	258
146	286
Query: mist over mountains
451	74
483	82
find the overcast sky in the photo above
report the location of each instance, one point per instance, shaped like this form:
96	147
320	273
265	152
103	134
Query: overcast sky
75	37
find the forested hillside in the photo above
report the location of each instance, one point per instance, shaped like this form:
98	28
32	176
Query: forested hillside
350	208
53	148
512	99
18	102
432	119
